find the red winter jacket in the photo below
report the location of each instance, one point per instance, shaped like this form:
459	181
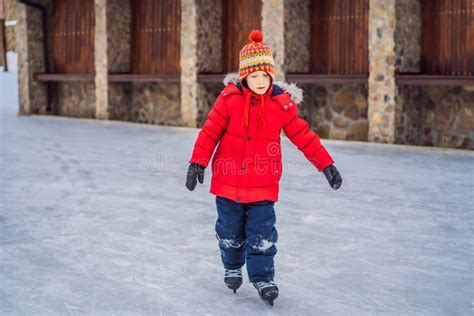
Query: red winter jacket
247	165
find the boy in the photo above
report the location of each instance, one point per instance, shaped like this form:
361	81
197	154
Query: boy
246	120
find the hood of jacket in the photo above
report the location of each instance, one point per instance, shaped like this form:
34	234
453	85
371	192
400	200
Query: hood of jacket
279	87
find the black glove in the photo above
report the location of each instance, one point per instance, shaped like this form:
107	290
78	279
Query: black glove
333	176
194	171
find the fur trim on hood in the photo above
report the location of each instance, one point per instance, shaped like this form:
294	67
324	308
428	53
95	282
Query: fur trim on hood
292	89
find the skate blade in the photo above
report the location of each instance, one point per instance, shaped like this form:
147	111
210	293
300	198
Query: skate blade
269	303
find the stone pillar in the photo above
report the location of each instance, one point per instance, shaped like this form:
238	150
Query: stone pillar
273	28
382	56
100	60
188	51
23	67
29	44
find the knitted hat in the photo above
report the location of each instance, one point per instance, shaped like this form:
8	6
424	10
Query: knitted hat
255	56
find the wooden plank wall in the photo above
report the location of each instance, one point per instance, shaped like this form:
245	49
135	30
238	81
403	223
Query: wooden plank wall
156	28
447	46
72	36
339	36
239	17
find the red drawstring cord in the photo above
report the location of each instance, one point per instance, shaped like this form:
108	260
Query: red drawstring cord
245	120
261	113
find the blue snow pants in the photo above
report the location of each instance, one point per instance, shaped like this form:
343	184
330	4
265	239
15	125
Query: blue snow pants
246	233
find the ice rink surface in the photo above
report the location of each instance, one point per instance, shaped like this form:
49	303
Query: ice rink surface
95	219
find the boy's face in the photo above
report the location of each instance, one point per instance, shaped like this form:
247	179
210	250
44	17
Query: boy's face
258	81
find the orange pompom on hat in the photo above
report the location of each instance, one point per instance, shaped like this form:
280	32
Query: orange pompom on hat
255	56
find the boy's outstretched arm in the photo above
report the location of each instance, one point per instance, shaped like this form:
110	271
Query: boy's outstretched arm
308	142
208	137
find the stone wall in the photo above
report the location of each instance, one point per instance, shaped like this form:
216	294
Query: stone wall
118	35
408	114
209	54
337	111
120	101
420	115
156	103
118	55
209	36
407	36
273	29
440	116
207	95
409	99
448	117
75	99
297	36
66	98
33	95
143	102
